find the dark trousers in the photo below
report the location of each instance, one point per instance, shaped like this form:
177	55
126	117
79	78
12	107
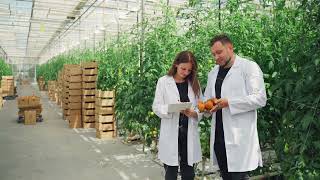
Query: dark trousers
220	150
187	172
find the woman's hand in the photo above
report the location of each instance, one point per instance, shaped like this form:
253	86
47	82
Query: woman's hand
190	113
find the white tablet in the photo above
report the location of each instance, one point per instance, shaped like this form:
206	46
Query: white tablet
179	107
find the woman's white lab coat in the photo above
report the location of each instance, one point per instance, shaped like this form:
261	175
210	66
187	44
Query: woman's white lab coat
167	93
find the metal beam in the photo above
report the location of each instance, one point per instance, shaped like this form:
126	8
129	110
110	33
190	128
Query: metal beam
58	32
31	15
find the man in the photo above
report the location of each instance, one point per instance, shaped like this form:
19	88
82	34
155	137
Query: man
238	85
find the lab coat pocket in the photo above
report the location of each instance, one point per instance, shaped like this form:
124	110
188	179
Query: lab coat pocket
237	134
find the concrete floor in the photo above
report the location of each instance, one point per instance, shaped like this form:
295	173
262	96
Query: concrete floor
52	151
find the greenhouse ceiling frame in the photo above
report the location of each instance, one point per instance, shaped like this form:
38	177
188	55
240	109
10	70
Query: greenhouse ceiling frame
33	31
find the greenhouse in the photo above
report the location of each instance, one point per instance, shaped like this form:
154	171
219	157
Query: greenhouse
152	89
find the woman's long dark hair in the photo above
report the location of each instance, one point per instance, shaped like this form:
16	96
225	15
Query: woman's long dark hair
186	57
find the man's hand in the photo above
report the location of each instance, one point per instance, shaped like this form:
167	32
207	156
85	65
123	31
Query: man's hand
190	113
221	103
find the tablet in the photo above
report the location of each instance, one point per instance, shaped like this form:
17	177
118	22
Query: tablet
179	106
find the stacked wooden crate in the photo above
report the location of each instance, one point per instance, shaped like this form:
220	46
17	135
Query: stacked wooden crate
52	90
105	114
7	85
65	91
29	109
60	88
1	99
74	78
41	83
89	86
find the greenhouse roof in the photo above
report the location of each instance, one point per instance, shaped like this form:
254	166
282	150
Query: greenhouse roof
33	31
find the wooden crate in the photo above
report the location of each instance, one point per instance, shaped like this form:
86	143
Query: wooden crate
88	92
75	71
105	102
90	71
28	102
88	105
77	78
104	110
104	126
34	100
88	112
89	65
104	118
105	94
76	85
77	92
30	117
74	112
88	125
89	99
75	99
74	105
75	124
89	85
75	119
89	78
66	112
1	101
37	109
105	134
88	118
23	101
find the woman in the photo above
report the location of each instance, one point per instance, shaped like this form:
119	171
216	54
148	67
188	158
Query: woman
179	141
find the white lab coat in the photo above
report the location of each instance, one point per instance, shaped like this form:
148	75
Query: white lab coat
244	88
168	93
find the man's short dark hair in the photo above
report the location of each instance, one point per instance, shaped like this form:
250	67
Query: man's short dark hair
223	38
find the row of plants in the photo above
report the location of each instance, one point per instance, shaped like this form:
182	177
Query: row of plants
281	36
5	69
